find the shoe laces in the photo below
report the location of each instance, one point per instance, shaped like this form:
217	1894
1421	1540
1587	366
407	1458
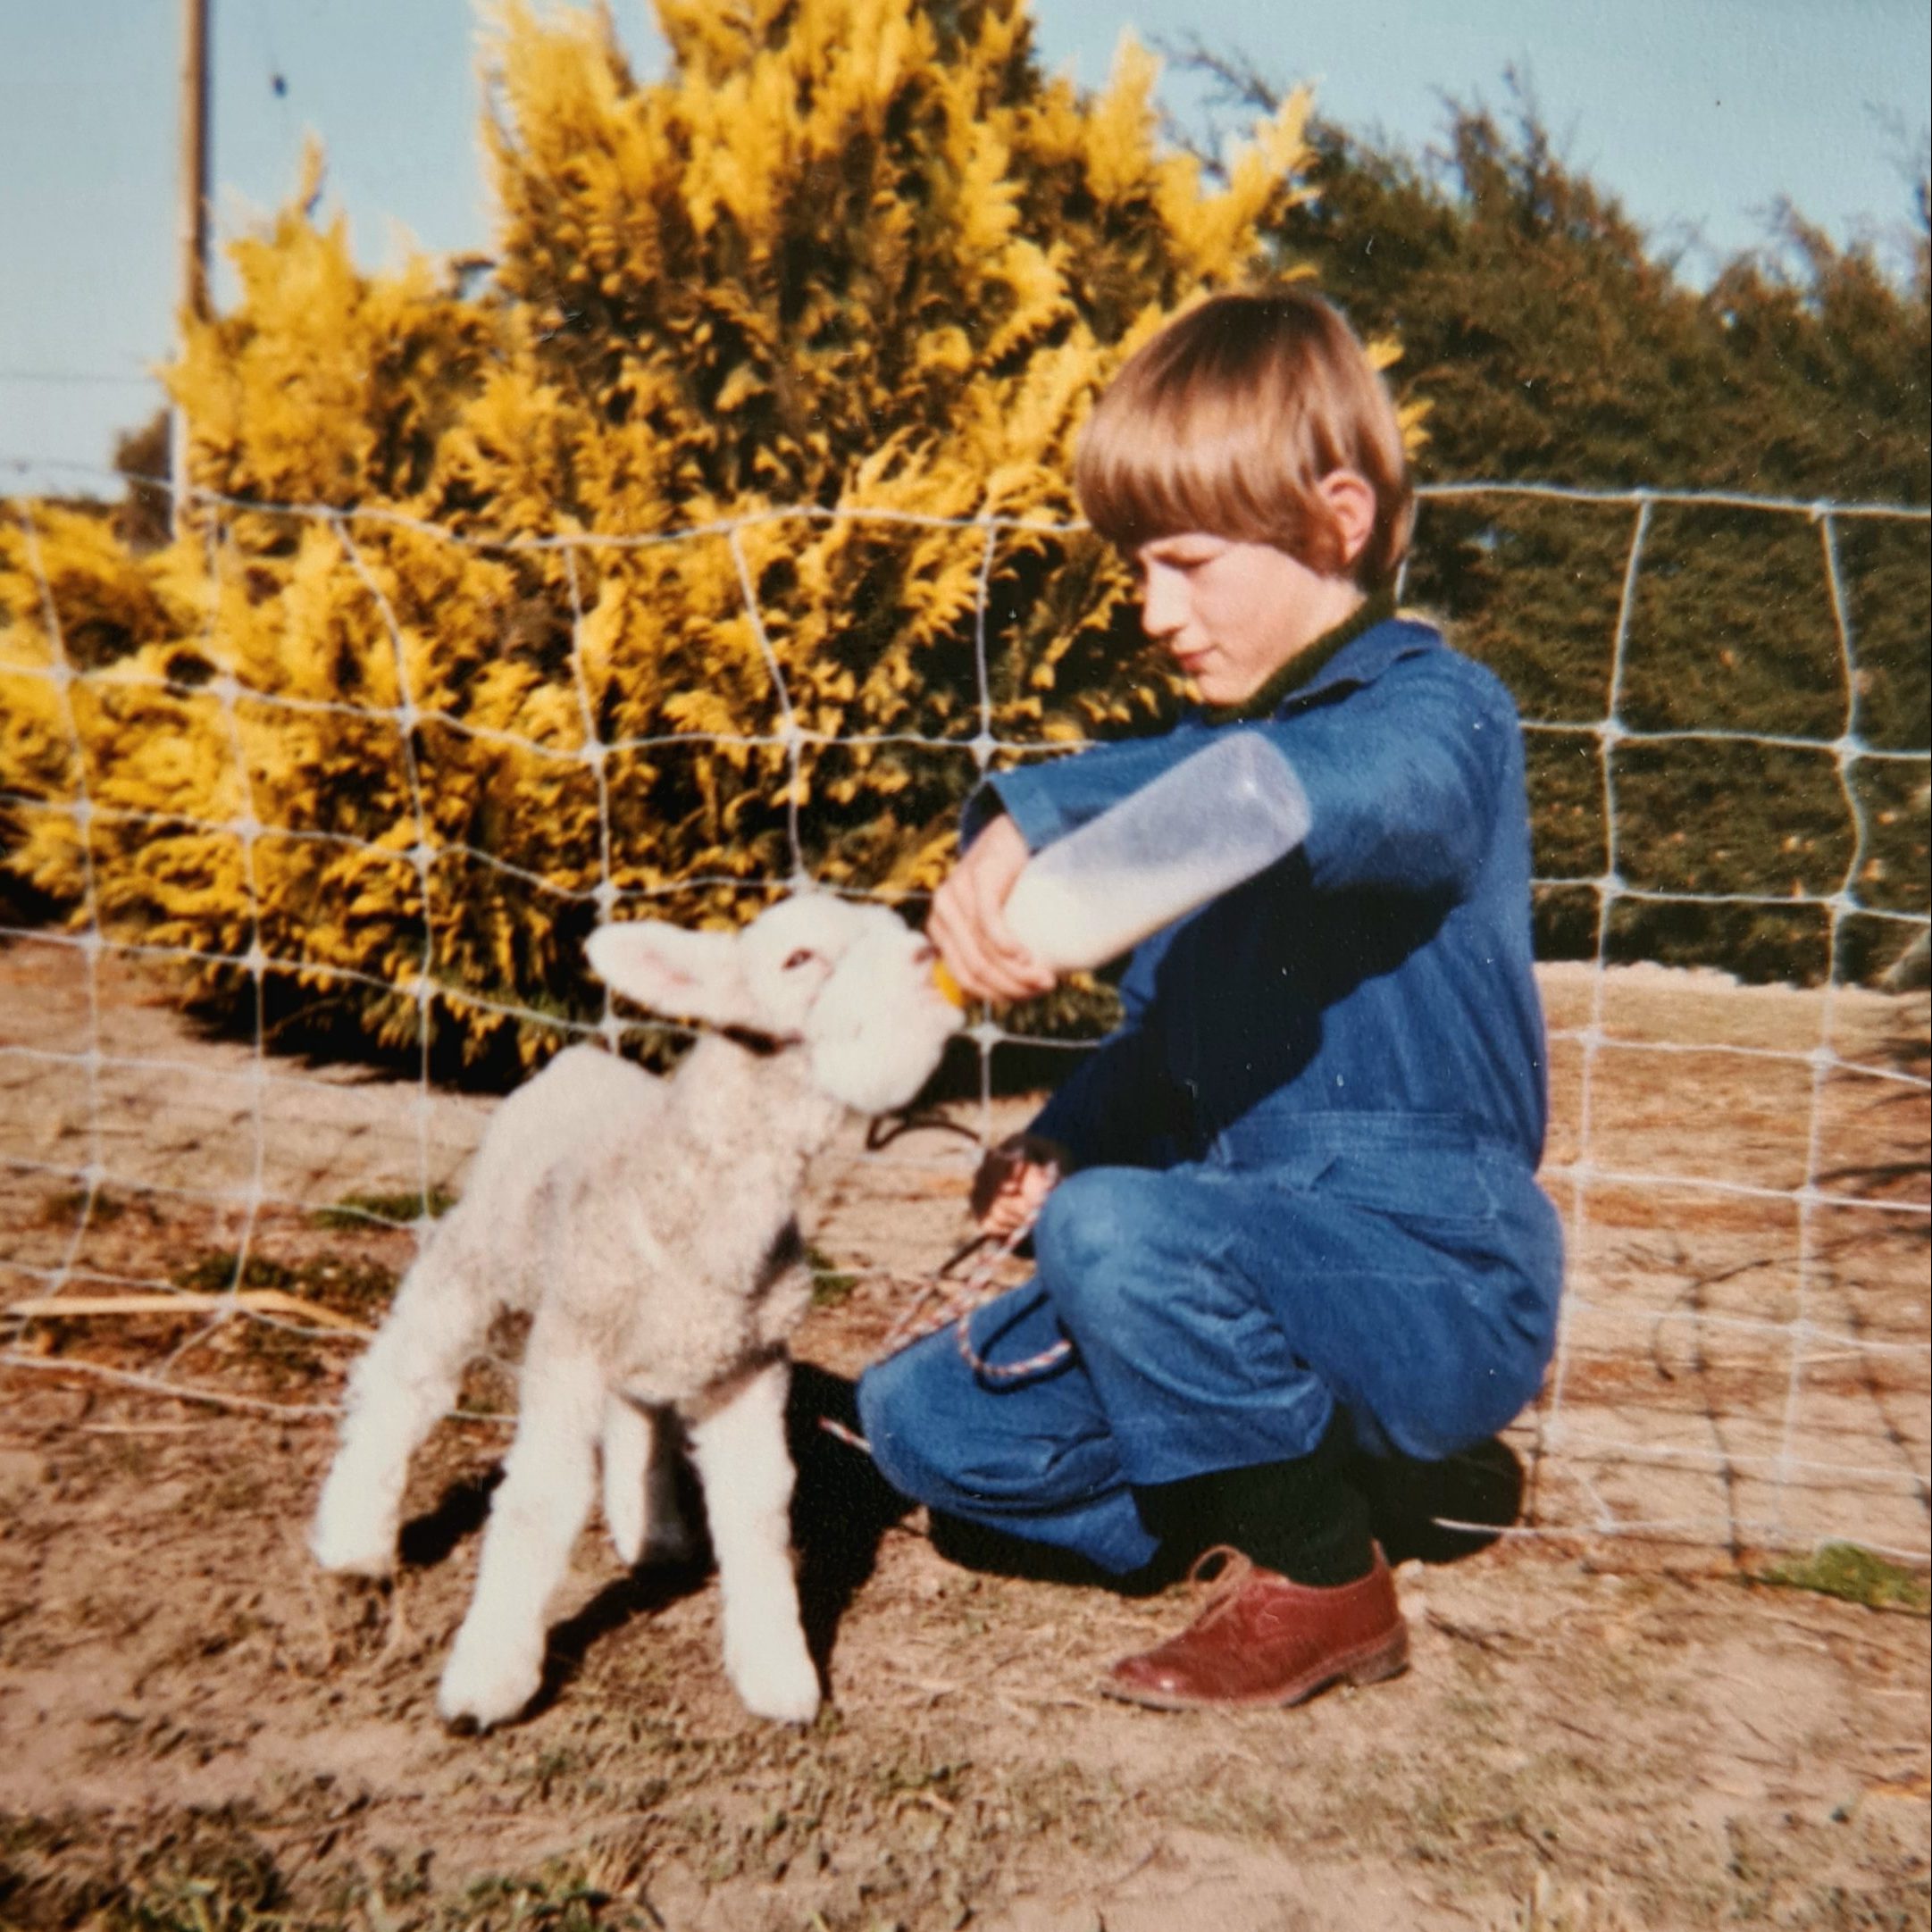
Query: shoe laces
1224	1570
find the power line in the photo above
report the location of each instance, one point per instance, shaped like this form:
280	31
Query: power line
73	375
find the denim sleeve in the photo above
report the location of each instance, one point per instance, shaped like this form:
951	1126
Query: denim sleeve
1405	779
1048	801
1402	778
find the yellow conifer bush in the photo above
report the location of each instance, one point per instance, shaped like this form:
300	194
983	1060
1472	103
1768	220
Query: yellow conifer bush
834	293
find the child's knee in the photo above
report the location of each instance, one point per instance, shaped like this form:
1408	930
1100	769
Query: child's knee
942	1437
904	1408
1088	1221
1108	1243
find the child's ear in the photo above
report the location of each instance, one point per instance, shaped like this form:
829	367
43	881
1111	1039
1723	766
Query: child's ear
683	975
1351	498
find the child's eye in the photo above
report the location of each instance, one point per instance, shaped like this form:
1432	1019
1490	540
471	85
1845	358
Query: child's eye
1182	563
803	956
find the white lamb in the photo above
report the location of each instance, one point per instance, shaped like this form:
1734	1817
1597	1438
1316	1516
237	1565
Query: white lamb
649	1226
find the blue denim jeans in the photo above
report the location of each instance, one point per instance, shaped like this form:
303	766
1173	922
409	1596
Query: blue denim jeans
1220	1312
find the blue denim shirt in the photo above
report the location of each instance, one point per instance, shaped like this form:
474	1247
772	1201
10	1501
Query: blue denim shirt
1376	980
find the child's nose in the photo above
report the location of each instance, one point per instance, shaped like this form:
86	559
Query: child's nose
1162	612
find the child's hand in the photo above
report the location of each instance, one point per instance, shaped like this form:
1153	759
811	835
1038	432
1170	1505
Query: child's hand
1014	1181
969	927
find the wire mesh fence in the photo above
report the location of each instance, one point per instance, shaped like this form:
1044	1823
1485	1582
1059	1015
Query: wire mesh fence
1745	1350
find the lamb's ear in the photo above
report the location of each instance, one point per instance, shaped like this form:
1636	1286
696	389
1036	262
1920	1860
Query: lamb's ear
683	975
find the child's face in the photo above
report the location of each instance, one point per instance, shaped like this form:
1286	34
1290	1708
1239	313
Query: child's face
1231	614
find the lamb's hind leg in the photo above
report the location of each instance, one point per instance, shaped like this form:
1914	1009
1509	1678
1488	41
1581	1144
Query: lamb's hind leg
746	1468
549	1482
405	1381
641	1490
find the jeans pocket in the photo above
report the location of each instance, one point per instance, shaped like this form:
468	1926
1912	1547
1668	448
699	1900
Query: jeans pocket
1432	1189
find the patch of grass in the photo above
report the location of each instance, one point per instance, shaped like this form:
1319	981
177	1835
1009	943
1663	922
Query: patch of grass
862	1831
64	1208
275	1356
212	1870
1854	1575
1235	1808
214	1273
196	1872
487	1389
830	1286
1552	1906
399	1210
556	1899
362	1289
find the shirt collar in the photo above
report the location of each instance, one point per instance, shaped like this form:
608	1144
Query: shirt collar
1355	651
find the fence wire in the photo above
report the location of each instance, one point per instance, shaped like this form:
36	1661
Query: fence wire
1835	1449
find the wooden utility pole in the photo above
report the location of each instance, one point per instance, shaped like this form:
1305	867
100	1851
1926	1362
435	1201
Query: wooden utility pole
192	229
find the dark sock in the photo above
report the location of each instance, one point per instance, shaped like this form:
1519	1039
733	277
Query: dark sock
1303	1519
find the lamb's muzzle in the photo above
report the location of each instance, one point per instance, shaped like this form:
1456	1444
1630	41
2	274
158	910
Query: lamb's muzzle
648	1226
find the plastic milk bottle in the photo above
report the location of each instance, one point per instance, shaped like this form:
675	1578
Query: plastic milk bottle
1199	830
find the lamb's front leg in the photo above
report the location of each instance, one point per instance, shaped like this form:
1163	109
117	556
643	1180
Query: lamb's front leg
745	1469
549	1479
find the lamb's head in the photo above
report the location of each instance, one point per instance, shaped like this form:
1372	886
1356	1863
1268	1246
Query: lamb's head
849	985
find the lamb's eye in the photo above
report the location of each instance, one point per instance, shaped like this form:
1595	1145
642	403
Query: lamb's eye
803	956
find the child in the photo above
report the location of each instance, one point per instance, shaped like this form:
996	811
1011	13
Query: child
1299	1214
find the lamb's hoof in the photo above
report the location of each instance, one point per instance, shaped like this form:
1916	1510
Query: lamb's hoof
663	1543
351	1550
784	1688
476	1694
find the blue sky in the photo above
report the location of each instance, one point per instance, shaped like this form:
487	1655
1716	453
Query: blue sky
1700	114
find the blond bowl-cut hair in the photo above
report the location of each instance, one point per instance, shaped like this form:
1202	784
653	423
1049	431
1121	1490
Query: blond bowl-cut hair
1228	422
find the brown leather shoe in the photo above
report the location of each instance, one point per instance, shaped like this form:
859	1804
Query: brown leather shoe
1261	1640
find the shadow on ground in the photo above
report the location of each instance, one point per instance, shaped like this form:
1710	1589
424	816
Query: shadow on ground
842	1508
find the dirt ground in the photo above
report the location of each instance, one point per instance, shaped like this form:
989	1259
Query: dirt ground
1613	1720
